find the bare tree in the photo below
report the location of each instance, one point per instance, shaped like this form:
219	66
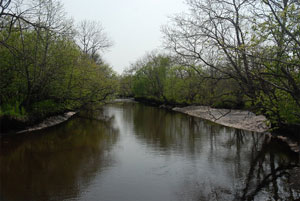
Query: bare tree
256	43
3	6
213	35
92	39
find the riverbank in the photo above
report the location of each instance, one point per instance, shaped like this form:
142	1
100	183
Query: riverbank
48	122
234	118
239	119
13	126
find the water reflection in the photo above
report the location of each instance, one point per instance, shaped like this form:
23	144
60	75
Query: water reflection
249	166
269	172
134	152
57	163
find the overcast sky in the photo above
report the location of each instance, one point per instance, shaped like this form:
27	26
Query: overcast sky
133	25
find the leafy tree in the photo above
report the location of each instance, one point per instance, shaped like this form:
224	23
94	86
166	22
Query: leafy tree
150	75
125	84
43	70
254	43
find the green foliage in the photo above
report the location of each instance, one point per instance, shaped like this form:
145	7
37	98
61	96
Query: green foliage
125	86
280	108
183	85
45	107
248	62
158	78
150	77
44	72
13	110
251	60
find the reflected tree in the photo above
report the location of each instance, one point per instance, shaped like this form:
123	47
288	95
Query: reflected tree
270	171
61	160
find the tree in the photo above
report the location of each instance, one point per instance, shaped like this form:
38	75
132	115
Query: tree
214	36
150	75
278	64
43	71
182	85
255	43
92	39
125	84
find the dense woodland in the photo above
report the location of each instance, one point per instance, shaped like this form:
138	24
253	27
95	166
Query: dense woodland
50	64
223	53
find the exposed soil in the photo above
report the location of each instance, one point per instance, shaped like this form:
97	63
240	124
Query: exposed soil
232	118
51	121
237	119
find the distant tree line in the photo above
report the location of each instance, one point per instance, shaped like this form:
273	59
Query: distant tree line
161	78
227	53
49	65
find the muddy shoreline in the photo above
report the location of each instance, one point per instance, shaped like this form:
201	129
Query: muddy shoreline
49	122
234	118
22	127
239	119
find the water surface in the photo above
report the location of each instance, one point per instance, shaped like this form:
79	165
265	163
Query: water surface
134	152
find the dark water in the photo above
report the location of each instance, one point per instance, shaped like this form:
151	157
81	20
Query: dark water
132	152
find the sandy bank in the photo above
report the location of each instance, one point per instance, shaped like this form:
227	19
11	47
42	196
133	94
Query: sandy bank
51	121
232	118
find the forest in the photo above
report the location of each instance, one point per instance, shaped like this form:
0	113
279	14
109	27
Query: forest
241	54
50	64
227	54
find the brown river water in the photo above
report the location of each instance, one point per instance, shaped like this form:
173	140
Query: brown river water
132	152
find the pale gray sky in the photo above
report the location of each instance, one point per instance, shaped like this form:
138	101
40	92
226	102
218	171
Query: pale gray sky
133	25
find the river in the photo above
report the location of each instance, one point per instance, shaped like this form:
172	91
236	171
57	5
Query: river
132	152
